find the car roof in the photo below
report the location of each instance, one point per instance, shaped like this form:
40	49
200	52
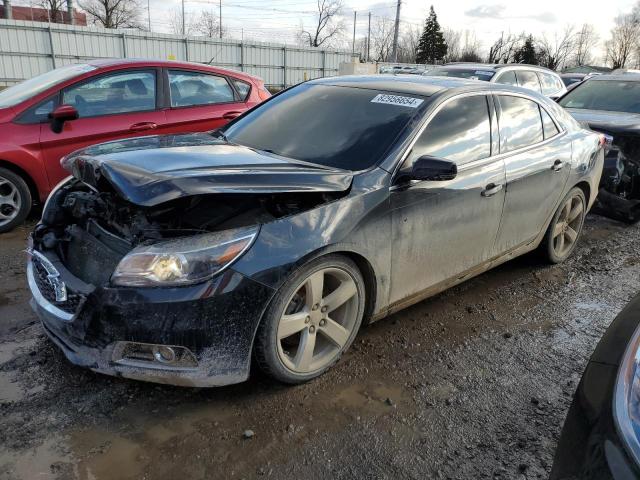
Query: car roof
148	62
412	84
496	66
627	77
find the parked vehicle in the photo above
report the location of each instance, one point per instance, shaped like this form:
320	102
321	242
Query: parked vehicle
571	79
177	258
535	78
49	116
601	434
610	104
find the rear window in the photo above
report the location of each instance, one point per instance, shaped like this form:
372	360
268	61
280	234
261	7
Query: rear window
611	95
470	73
549	83
24	90
528	79
243	88
343	127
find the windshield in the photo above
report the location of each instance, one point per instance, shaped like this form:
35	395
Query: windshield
611	95
470	73
343	127
22	91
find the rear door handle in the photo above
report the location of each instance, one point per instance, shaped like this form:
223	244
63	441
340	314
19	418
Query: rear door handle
231	115
139	127
491	189
557	165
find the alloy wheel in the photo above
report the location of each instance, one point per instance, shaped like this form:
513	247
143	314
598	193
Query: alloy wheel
10	201
568	225
318	320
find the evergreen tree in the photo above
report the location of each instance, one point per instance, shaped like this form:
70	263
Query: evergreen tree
527	52
432	47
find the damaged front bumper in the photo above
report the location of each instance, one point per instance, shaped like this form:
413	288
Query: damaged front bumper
199	336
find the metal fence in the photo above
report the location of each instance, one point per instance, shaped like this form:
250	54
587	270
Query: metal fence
31	48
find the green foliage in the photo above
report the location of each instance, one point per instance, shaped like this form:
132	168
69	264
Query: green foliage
527	52
432	47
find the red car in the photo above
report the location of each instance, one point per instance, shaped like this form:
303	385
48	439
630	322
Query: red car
53	114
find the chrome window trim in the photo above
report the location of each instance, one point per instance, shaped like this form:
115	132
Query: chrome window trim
492	158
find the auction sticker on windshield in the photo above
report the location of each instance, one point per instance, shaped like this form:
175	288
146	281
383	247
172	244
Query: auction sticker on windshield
397	100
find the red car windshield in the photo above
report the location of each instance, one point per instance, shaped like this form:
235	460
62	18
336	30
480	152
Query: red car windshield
24	90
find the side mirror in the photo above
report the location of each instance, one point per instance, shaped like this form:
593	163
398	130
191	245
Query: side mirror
432	168
63	113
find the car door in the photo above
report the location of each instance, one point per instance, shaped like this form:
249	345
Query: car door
200	101
442	229
537	157
110	106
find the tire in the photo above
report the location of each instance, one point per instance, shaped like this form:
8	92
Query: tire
284	357
565	227
15	200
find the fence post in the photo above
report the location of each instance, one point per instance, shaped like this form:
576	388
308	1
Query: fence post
124	45
284	67
324	63
242	56
53	51
186	48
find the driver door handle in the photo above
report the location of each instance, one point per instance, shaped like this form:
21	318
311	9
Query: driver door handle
557	165
139	127
491	189
231	115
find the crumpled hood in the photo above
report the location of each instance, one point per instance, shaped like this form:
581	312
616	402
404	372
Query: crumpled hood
148	171
621	123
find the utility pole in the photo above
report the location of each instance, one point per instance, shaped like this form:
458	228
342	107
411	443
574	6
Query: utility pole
353	44
220	20
369	37
394	53
184	30
149	13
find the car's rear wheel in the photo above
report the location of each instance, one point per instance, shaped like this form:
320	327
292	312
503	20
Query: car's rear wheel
565	227
15	200
312	320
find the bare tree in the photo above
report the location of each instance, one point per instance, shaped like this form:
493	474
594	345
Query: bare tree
470	51
408	43
452	39
382	39
624	39
113	13
208	25
503	49
176	24
55	9
328	24
585	42
556	51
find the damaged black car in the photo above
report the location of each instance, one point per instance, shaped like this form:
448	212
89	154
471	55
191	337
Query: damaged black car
182	259
610	104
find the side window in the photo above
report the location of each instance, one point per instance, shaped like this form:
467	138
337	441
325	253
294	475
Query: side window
460	132
549	127
39	112
520	123
196	88
508	78
243	88
121	92
549	83
528	79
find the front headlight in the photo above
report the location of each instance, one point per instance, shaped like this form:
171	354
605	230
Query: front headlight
626	400
183	261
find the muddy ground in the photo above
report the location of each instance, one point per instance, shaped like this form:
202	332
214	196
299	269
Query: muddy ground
474	383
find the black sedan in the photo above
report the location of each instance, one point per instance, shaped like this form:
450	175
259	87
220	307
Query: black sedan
601	435
611	104
178	259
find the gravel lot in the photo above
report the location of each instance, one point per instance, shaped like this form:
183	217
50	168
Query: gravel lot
474	383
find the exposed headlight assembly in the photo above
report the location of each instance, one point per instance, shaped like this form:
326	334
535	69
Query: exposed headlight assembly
183	261
626	400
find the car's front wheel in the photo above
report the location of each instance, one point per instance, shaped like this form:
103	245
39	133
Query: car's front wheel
565	228
312	320
15	200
